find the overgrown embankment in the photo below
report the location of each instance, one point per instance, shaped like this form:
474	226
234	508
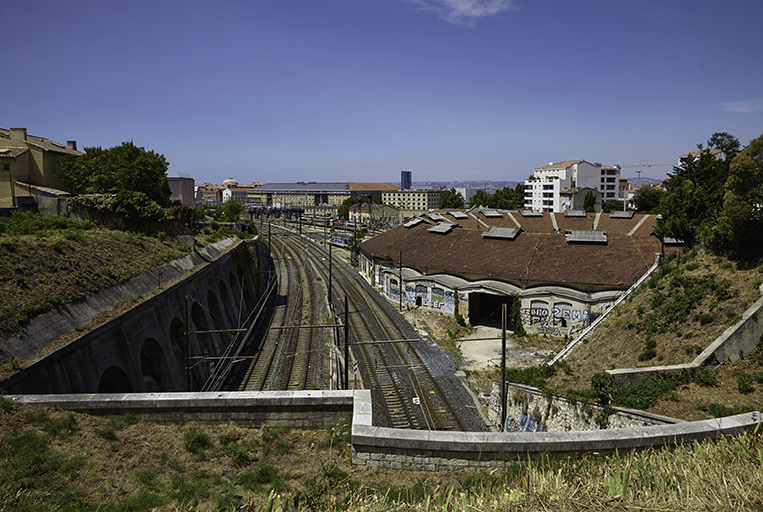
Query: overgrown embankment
681	310
48	261
57	460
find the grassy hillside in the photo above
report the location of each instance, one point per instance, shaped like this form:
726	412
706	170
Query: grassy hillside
49	261
55	460
681	310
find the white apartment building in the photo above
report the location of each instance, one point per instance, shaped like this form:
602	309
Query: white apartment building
543	189
414	200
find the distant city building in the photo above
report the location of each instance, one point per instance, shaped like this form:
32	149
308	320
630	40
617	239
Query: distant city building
413	202
574	198
209	194
29	164
467	193
281	195
544	188
405	180
182	189
375	215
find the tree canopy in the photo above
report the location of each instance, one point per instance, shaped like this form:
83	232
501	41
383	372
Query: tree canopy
344	209
132	181
506	198
122	168
693	199
740	225
451	199
647	199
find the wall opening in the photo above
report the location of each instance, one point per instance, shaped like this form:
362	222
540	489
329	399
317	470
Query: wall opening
485	309
115	380
153	366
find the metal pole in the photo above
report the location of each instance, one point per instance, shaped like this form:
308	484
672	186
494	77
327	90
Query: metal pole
346	344
401	279
331	264
503	367
188	341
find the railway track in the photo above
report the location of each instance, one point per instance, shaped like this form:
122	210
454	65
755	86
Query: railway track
291	356
407	391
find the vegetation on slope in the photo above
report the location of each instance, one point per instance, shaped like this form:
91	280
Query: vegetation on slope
48	261
57	460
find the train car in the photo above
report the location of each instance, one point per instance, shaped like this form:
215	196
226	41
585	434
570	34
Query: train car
340	239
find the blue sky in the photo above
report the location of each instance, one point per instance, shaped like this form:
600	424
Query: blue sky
358	90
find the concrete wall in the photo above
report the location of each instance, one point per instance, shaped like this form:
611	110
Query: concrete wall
736	341
381	447
146	348
529	410
298	409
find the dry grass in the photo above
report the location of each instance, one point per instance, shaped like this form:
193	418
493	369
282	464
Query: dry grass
144	466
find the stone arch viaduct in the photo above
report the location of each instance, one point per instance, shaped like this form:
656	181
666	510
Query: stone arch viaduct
146	349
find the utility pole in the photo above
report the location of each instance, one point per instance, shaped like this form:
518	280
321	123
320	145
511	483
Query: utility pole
331	261
346	344
401	279
503	367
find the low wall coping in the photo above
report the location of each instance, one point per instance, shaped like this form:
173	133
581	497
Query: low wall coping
366	438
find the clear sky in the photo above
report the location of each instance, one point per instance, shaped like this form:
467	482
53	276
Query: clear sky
358	90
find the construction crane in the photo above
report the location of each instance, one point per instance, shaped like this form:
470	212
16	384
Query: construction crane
651	164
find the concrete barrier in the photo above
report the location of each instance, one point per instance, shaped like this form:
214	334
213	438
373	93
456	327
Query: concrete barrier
380	447
736	341
299	409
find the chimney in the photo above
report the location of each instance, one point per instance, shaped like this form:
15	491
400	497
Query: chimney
72	144
18	134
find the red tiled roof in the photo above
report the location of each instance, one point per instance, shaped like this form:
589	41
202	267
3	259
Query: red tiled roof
539	255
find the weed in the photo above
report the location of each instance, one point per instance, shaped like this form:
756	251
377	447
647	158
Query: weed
106	433
262	477
744	383
196	442
719	411
705	377
123	421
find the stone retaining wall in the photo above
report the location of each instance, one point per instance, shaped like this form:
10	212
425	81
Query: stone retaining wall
381	447
298	409
736	341
529	410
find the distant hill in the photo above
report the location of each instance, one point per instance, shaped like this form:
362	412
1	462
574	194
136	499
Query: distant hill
489	186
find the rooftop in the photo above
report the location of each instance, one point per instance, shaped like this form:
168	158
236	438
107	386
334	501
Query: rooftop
528	250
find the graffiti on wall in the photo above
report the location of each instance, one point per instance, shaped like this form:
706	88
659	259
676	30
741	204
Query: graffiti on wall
429	295
559	320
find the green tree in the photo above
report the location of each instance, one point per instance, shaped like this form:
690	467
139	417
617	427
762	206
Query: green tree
508	198
344	209
740	225
693	199
647	199
451	199
119	169
230	211
480	198
589	202
131	181
612	205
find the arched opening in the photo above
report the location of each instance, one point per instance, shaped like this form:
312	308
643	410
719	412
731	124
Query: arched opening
204	339
231	314
115	380
153	366
179	343
218	321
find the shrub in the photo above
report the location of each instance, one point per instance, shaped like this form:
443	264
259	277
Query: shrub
196	442
705	377
744	383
